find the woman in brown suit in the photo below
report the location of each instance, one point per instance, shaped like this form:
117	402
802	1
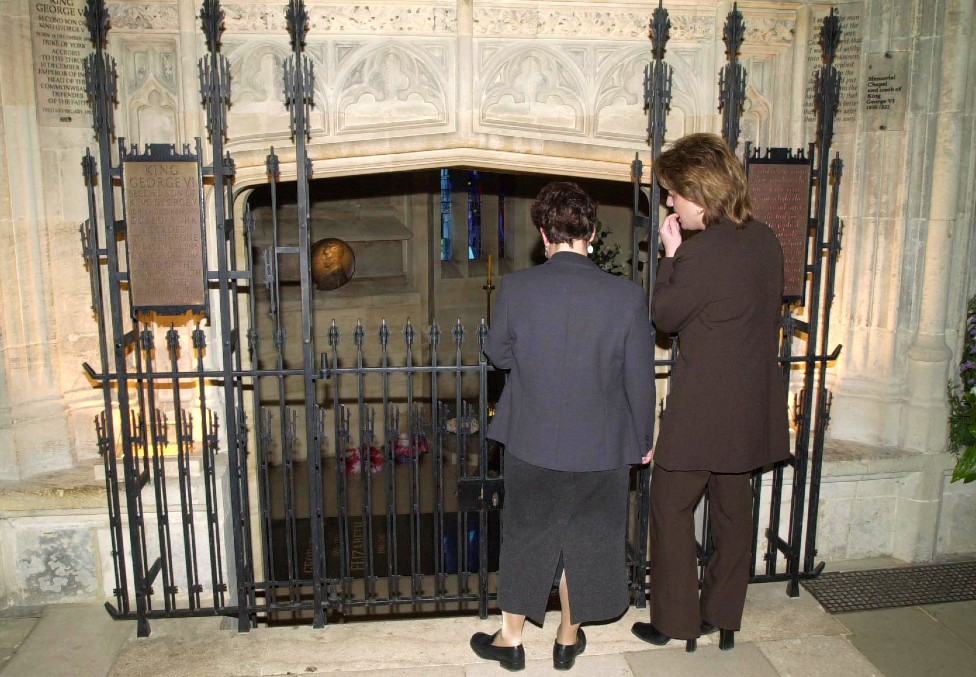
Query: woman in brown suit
720	292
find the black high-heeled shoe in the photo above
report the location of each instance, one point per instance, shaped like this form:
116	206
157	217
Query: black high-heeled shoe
564	655
509	657
726	638
648	633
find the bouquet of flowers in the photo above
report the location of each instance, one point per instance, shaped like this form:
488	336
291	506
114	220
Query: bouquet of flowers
962	404
354	460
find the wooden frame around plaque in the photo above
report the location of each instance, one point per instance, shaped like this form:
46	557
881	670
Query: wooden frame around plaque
780	194
162	193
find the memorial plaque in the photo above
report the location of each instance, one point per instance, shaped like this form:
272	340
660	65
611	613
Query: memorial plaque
59	43
884	92
780	194
164	235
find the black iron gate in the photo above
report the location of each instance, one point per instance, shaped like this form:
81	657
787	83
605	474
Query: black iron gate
374	487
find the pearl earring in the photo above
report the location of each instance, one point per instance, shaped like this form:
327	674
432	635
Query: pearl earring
589	249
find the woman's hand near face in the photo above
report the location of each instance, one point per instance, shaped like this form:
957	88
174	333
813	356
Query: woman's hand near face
670	232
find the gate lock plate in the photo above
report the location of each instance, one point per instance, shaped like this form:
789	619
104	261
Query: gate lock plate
477	494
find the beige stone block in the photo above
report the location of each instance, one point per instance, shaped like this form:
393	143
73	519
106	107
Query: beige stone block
606	666
834	528
957	519
817	657
770	614
744	660
872	523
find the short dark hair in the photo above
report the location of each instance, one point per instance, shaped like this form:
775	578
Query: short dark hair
703	169
564	212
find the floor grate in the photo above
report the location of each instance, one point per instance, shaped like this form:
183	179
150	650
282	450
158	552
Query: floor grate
844	591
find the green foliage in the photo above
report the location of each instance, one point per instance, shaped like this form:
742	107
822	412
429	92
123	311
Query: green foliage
962	404
604	255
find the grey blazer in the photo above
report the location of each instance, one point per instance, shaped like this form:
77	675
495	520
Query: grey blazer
580	393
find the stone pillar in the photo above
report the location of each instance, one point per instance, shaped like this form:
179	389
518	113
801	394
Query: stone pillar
924	425
39	427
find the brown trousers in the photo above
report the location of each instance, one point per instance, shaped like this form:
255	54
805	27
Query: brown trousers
676	609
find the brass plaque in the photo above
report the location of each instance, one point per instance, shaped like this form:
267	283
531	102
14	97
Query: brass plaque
60	42
164	235
886	91
780	194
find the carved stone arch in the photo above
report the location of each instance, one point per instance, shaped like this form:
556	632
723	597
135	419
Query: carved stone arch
257	91
149	88
153	115
532	87
391	86
687	94
256	71
755	121
619	106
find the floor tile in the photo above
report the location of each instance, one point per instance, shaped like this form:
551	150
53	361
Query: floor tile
771	614
959	618
744	660
817	657
80	637
13	631
907	642
604	666
22	612
432	671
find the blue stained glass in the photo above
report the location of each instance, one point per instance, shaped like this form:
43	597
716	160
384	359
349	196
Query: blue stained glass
474	216
447	220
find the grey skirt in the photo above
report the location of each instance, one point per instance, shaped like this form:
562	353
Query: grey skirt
579	518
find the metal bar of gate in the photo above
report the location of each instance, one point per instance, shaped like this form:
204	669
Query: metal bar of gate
184	444
657	101
299	88
826	96
214	70
156	438
100	81
832	245
104	424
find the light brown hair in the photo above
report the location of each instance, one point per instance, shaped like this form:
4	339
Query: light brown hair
703	169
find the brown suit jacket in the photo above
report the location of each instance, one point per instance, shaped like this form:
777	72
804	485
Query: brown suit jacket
722	294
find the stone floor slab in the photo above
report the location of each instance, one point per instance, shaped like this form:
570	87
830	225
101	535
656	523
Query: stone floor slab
817	657
907	642
80	638
771	614
958	617
13	631
432	671
22	612
604	666
746	660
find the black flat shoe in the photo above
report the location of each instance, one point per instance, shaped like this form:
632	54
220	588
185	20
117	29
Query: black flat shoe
509	657
648	633
564	655
726	638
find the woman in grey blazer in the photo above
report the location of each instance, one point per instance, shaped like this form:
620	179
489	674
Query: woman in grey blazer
576	411
721	292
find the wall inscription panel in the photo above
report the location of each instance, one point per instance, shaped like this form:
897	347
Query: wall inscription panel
780	194
164	235
59	43
847	61
885	90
